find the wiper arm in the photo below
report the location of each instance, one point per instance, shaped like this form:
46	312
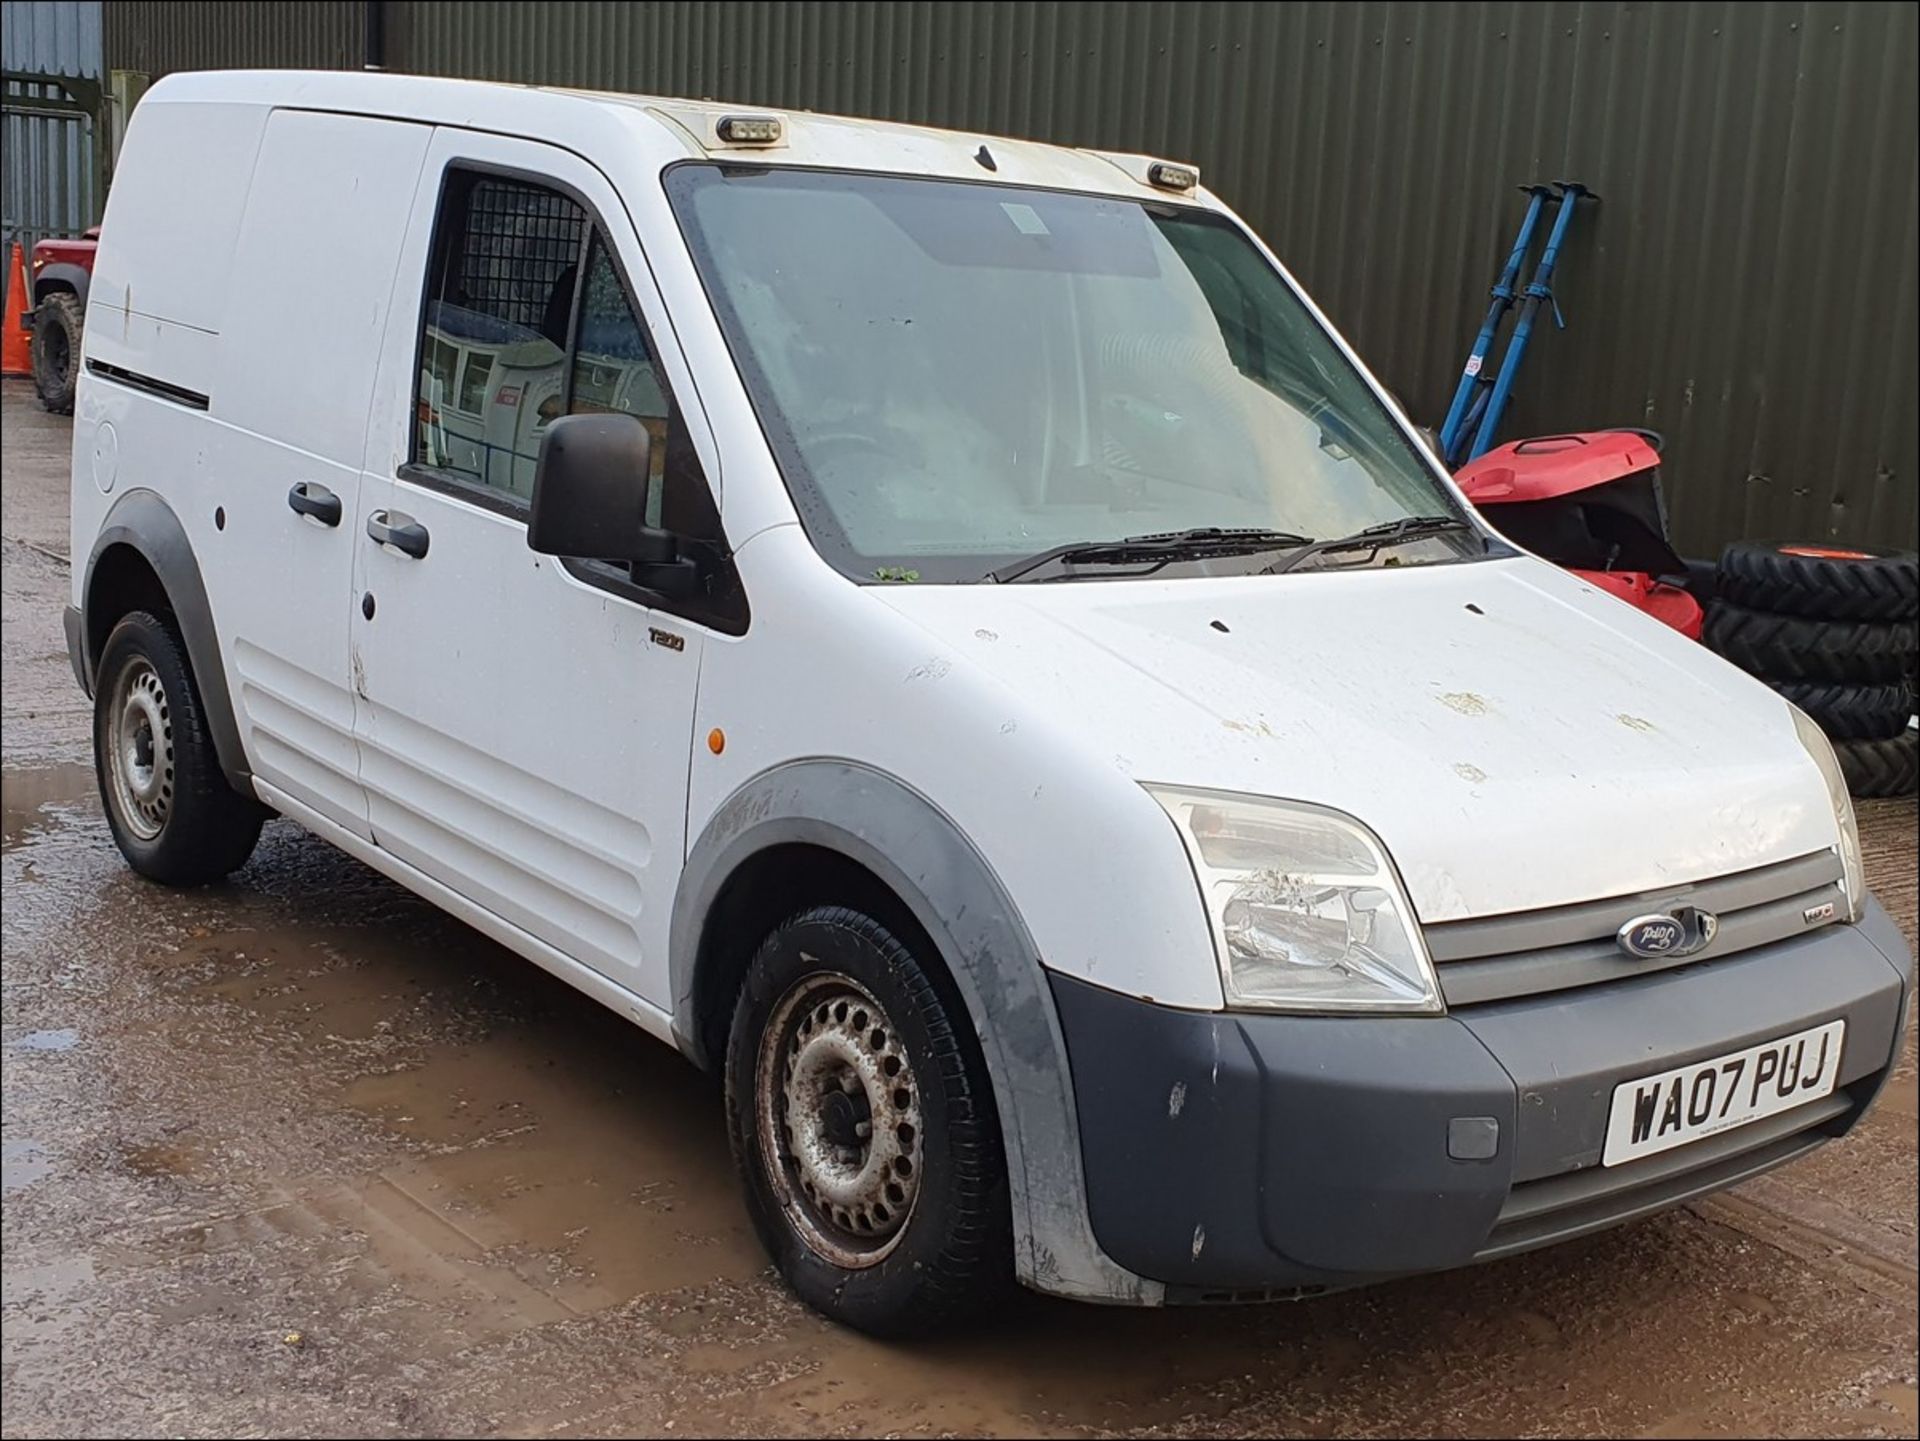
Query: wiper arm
1207	540
1374	537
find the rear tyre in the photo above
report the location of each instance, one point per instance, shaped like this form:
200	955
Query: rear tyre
56	351
172	813
1788	647
864	1129
1822	582
1852	712
1881	767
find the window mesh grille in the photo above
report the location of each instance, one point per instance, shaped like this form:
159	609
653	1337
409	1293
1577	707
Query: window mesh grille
519	241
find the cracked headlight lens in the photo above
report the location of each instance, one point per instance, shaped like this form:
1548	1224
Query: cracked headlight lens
1308	913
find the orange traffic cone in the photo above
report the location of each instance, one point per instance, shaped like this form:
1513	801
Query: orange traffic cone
16	349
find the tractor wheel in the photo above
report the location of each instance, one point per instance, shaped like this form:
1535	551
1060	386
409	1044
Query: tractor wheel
1822	582
1851	712
56	351
1788	647
1882	767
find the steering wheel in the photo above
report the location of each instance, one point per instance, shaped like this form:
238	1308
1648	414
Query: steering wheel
854	468
855	457
814	445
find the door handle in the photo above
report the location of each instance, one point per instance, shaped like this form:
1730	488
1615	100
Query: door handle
309	497
402	532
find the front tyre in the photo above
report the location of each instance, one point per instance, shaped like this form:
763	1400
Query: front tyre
172	813
864	1129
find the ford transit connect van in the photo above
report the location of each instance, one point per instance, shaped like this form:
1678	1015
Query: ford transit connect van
940	630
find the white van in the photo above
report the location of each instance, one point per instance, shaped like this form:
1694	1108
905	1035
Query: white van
941	631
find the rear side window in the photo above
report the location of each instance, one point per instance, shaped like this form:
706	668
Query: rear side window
493	349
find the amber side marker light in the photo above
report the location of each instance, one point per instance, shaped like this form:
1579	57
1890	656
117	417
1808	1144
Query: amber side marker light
716	740
749	129
1172	177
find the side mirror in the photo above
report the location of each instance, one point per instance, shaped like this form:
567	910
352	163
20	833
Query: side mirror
590	491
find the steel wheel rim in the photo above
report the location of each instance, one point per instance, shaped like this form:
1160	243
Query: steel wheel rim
840	1120
140	752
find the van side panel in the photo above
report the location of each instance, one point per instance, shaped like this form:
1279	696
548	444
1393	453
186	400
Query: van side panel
311	279
166	246
308	308
159	285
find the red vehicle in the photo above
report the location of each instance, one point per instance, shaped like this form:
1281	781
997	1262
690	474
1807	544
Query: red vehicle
1592	503
60	272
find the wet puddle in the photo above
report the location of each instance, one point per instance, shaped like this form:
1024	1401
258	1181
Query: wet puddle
33	800
551	1141
21	1164
60	1040
39	1301
615	1172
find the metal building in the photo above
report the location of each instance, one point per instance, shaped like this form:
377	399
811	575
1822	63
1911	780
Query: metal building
52	114
1747	284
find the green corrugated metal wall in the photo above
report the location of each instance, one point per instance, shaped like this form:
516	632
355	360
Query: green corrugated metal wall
1747	285
156	36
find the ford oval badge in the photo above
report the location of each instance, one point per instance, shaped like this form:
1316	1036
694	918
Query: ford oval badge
1679	932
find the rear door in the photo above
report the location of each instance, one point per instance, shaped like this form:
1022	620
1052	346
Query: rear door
525	721
305	321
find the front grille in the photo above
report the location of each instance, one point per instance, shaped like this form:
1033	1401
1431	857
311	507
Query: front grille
1557	1208
1500	958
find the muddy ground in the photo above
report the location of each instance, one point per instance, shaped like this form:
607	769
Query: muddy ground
299	1155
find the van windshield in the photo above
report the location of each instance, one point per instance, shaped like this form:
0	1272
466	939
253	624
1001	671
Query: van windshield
956	375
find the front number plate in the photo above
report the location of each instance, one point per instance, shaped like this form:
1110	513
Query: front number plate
1660	1112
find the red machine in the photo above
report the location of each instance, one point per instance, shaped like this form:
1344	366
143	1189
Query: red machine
62	272
1590	502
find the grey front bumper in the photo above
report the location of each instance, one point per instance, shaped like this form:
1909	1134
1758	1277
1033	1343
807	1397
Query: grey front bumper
1231	1156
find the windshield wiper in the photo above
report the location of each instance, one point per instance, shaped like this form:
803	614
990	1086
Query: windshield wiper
1373	538
1203	541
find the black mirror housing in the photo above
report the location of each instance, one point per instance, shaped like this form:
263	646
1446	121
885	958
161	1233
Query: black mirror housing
590	492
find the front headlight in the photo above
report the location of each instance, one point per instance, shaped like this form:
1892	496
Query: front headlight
1308	913
1853	870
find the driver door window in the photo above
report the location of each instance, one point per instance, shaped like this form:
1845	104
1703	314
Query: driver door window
614	368
500	292
529	315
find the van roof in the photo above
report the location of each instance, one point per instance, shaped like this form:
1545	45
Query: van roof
588	120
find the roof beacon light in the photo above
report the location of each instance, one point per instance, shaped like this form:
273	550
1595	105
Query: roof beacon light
1172	177
749	129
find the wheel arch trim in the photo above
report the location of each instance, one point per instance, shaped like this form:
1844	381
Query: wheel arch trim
145	523
62	277
911	845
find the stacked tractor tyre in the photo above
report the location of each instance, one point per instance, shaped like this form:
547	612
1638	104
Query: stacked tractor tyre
1835	632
